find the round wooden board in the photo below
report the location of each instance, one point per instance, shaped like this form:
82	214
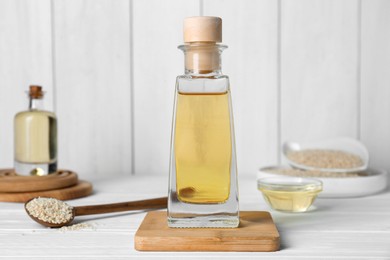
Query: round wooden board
11	182
81	189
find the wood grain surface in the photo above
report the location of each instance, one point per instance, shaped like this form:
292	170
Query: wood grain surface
11	182
256	233
81	189
157	203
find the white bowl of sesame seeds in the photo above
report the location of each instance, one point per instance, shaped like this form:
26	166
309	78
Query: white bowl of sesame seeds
341	155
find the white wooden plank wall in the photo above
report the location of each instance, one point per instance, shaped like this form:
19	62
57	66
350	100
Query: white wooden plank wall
156	33
319	58
375	80
92	61
250	31
302	70
25	58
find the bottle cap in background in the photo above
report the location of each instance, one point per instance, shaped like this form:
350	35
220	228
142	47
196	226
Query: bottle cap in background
35	91
202	29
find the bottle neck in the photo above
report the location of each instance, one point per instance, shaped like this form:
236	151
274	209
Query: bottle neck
202	58
35	103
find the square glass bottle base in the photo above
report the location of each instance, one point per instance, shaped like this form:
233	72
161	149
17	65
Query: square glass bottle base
215	221
192	215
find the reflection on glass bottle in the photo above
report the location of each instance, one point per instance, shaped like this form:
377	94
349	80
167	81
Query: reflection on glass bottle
35	143
203	173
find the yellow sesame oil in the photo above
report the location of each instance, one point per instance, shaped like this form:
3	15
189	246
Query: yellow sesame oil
203	147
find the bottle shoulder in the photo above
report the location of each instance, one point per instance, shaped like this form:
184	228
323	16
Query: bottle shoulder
35	113
191	84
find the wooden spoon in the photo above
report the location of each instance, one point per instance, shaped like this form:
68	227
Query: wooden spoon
158	203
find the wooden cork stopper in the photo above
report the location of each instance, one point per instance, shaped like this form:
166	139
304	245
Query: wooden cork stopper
35	91
202	29
204	58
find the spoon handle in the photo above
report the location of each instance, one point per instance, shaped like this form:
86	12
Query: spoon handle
158	203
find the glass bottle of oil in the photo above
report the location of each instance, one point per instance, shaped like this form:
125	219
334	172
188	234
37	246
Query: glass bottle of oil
35	137
203	188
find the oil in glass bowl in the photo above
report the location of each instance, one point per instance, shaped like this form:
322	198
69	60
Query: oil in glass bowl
289	194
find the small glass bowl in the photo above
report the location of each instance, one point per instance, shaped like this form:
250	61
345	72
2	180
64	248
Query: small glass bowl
289	194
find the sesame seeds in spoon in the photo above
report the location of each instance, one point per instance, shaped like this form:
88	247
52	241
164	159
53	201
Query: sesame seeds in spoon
52	212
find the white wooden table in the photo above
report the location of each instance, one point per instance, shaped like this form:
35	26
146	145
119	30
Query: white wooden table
357	228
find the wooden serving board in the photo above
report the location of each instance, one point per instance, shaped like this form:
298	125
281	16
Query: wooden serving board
11	182
81	189
256	233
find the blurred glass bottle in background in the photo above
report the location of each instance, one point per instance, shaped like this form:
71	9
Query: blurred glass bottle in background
35	137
